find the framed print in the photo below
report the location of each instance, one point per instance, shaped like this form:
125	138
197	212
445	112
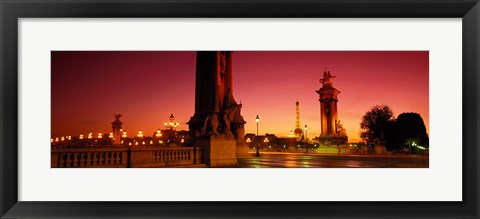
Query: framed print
239	109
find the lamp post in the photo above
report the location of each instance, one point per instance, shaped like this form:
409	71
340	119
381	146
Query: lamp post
257	120
413	144
306	138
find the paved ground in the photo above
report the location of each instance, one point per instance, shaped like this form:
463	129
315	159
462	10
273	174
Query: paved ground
299	160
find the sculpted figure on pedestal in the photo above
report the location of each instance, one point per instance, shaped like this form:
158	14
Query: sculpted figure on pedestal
211	122
327	79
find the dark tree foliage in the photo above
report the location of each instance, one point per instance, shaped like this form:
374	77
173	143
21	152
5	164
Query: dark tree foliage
375	122
410	128
389	134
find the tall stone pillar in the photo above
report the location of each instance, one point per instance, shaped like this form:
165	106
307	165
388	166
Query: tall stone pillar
116	129
217	125
331	130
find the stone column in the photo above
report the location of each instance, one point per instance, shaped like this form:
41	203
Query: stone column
217	125
328	102
116	129
323	127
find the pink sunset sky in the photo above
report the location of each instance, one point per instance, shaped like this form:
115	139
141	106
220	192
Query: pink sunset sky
147	86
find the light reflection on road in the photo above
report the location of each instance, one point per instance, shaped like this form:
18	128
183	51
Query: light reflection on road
298	160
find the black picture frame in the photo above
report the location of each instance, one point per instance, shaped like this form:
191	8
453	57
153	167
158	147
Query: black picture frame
12	10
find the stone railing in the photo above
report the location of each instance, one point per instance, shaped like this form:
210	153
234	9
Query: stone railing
164	157
89	157
124	157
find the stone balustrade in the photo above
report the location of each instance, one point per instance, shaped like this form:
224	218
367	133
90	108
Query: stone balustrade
164	157
124	157
89	157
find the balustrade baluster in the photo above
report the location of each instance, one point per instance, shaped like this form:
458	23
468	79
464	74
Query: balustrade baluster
105	158
115	158
108	158
95	159
61	160
89	159
75	160
112	158
84	159
119	158
102	158
67	158
81	160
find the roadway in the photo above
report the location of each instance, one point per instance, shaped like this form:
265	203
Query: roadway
314	160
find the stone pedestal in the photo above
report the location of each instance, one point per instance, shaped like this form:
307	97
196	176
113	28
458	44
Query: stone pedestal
322	149
218	151
242	150
333	140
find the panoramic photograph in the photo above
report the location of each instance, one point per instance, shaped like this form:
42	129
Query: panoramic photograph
239	109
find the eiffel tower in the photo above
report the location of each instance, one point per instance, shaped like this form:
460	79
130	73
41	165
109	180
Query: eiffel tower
298	130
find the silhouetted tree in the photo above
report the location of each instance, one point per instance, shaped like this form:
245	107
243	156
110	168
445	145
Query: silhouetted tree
410	128
389	134
375	122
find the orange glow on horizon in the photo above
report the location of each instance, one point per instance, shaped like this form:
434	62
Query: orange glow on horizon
266	83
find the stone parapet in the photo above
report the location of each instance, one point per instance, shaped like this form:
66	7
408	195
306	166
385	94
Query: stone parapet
112	157
218	151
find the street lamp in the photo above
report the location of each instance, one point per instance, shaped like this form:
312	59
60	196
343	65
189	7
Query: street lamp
337	132
257	120
413	144
291	136
158	133
172	124
266	142
306	138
